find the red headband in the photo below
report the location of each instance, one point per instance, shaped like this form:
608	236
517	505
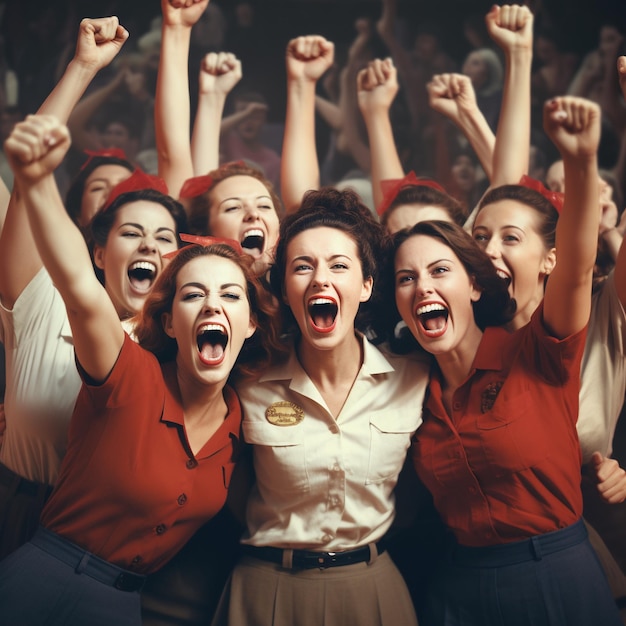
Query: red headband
555	198
197	185
137	181
117	153
197	240
392	187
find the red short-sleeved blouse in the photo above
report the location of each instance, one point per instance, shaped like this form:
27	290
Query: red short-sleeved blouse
506	464
130	490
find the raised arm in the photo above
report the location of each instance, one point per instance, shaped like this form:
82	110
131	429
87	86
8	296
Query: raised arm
307	59
453	95
377	86
573	125
219	73
171	107
34	150
99	41
511	27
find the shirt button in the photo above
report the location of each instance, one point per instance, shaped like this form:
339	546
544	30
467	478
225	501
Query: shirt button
336	468
182	498
160	529
191	463
456	406
136	560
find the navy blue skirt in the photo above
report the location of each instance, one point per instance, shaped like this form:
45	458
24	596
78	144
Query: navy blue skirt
52	581
549	580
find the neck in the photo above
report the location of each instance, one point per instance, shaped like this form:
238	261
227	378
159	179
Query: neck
456	364
201	402
331	367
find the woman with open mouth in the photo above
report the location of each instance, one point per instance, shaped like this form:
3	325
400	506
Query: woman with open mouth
498	447
154	435
329	428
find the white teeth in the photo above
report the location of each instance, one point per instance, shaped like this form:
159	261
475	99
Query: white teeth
321	301
143	265
205	328
254	232
502	274
427	308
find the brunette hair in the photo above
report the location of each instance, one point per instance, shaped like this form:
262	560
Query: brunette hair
427	196
199	207
495	306
331	208
256	352
544	209
74	196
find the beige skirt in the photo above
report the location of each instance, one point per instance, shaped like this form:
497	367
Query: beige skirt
263	594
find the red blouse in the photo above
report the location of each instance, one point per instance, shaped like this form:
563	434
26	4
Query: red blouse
130	489
506	464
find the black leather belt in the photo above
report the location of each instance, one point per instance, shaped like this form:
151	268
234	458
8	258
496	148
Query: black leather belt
308	559
17	484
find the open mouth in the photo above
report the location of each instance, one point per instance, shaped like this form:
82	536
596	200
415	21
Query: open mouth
141	275
323	313
212	340
433	319
504	276
253	242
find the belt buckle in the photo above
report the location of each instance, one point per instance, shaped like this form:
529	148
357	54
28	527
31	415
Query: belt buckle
327	559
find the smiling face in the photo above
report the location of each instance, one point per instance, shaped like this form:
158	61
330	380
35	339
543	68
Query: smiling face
210	318
132	259
324	285
97	188
434	295
508	231
242	209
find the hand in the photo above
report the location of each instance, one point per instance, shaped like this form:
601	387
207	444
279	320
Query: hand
611	478
309	57
511	27
99	41
451	95
573	125
36	147
377	86
219	72
182	12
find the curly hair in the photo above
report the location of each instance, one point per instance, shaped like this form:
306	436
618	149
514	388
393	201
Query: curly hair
257	351
426	196
344	211
199	207
495	306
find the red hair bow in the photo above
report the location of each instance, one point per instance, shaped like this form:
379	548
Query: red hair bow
392	187
197	240
555	198
118	153
137	181
196	186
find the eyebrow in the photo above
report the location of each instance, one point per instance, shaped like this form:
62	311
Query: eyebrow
399	271
306	257
203	287
263	197
143	230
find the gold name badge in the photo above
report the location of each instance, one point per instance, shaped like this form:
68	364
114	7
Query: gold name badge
284	413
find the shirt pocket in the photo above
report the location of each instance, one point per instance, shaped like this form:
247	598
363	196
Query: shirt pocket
390	437
279	456
513	435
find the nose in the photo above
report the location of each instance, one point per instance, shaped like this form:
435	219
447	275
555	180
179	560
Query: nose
492	248
148	243
212	304
252	213
423	286
320	277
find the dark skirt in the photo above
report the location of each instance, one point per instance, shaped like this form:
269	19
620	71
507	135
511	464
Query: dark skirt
549	580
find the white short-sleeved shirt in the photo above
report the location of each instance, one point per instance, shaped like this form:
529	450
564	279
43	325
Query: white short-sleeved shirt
603	372
321	483
42	381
